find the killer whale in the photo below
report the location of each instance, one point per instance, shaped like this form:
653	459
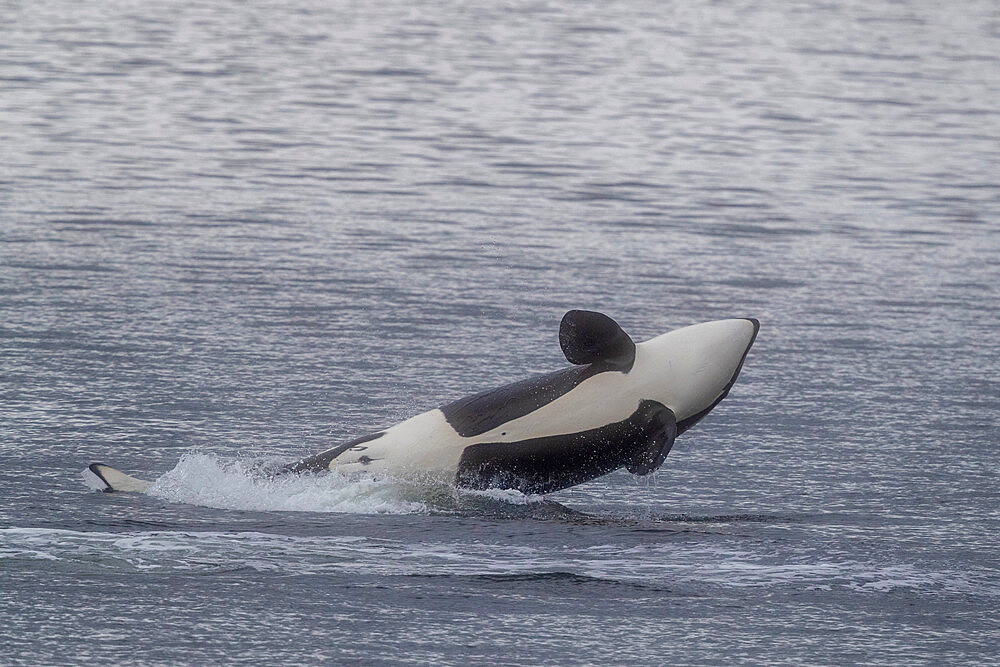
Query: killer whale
621	404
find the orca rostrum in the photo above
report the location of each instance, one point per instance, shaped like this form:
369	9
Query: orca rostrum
620	405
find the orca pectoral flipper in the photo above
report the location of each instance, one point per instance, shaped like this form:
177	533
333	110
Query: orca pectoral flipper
589	337
662	430
112	479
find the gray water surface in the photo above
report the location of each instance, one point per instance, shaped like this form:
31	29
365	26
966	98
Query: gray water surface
235	232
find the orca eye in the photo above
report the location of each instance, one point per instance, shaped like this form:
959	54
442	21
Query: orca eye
504	433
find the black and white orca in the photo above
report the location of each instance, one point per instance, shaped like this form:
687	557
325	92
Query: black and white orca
621	404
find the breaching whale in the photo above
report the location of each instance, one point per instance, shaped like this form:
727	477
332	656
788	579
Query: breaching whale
621	404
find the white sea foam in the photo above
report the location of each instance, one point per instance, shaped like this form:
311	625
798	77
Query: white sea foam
211	481
509	496
207	480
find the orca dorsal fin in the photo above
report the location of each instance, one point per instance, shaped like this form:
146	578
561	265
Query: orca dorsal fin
588	337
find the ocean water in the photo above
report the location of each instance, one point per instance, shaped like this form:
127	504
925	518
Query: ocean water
243	232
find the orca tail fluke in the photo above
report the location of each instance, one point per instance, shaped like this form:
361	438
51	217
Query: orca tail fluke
102	477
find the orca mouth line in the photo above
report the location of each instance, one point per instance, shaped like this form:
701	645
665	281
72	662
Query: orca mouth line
753	339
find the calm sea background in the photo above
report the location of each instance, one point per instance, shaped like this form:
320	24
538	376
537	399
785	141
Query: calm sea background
235	231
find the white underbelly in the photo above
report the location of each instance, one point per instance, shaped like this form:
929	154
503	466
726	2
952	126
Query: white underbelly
422	446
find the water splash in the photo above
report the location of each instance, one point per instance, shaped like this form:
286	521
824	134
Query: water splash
239	484
210	481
